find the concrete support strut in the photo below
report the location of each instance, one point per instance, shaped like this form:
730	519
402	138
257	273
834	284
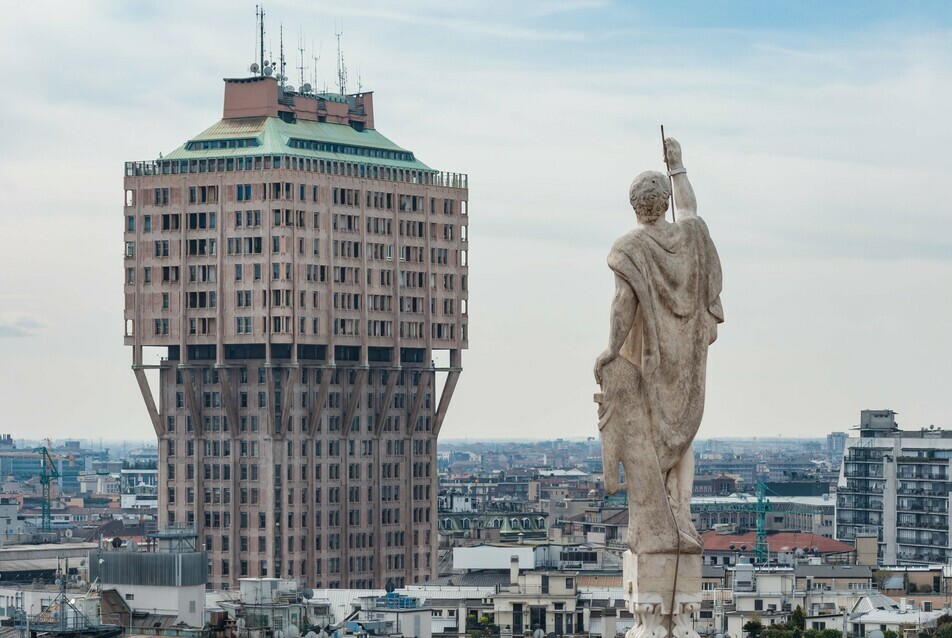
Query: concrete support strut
146	391
316	406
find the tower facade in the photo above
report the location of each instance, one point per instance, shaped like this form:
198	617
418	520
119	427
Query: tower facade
300	273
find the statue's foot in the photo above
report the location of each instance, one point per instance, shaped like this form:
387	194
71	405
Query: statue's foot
690	544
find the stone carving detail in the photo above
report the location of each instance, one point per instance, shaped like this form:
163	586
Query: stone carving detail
652	622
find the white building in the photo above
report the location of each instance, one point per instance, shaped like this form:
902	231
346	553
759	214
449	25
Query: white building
897	484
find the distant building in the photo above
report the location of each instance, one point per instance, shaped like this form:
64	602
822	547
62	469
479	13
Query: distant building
139	487
809	514
835	444
266	605
728	549
539	600
896	484
710	484
9	514
169	582
306	280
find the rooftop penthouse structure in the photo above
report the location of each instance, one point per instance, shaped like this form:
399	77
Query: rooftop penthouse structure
301	274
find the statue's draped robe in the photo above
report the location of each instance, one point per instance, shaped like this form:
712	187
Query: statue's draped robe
675	273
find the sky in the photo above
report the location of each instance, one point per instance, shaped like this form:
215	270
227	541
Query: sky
814	133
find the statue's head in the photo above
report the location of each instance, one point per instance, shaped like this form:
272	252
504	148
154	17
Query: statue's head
649	195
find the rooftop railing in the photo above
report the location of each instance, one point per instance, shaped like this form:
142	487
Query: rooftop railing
364	170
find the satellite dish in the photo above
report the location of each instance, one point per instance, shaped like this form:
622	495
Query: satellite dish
279	633
308	594
116	542
876	634
131	546
305	88
310	634
240	623
82	563
538	633
288	88
293	631
267	70
254	68
69	533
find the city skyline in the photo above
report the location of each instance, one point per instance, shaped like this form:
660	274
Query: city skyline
815	140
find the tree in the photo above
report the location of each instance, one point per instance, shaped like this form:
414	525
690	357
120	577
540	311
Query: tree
798	619
753	627
944	619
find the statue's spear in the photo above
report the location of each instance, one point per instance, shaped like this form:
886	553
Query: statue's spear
664	152
677	559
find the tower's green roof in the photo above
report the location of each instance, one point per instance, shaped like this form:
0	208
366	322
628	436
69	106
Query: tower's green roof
241	137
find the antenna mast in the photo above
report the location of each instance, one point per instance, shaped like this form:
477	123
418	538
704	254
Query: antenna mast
341	69
301	51
316	58
259	10
283	76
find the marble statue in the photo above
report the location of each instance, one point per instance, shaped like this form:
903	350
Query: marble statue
664	316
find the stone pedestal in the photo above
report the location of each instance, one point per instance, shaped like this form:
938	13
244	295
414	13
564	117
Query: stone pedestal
650	589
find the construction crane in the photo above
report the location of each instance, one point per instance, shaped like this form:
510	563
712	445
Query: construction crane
763	506
48	473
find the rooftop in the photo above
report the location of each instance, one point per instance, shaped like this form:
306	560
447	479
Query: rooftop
256	136
780	542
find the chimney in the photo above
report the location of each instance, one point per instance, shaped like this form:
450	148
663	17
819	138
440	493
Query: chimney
513	572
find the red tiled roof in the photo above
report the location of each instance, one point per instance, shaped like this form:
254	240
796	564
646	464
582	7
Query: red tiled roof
783	541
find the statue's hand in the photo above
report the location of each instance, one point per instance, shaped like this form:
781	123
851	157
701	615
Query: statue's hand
672	153
606	357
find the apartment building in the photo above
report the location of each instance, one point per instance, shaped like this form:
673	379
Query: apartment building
895	483
304	280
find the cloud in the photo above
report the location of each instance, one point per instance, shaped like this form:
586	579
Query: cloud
19	325
504	29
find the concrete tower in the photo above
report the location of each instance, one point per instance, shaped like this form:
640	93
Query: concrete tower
298	271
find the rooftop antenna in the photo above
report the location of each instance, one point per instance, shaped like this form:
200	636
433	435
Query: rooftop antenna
316	58
282	77
360	84
301	51
259	10
341	69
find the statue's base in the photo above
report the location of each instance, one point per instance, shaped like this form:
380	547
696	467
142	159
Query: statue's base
651	588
